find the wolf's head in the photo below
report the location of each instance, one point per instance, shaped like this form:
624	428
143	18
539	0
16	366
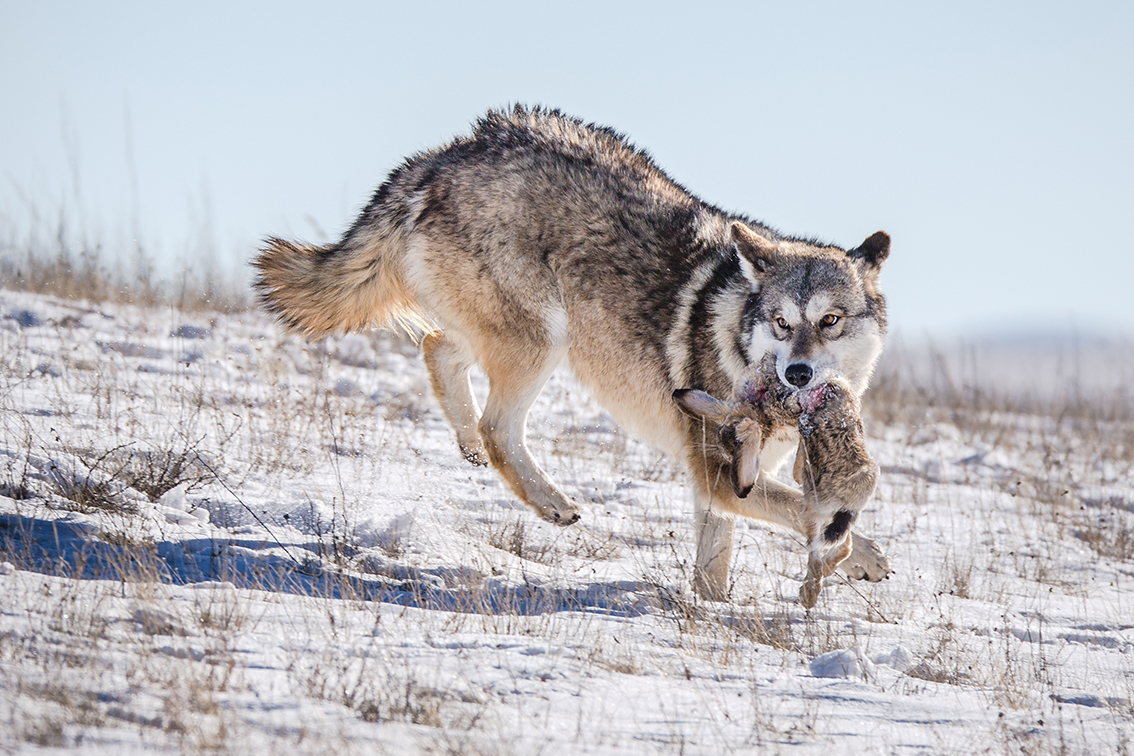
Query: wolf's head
816	308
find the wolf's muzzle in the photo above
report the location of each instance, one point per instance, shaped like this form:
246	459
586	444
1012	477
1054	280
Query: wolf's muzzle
798	374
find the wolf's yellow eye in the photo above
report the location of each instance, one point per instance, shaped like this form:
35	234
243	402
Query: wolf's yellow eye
829	320
782	323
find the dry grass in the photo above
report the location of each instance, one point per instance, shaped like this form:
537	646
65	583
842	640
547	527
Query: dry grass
1071	443
66	264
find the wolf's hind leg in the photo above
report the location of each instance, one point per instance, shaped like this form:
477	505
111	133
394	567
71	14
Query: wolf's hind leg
515	378
449	365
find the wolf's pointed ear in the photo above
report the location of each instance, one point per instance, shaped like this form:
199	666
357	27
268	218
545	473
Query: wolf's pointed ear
701	404
756	253
872	252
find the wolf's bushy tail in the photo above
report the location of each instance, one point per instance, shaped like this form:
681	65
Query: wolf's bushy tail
347	286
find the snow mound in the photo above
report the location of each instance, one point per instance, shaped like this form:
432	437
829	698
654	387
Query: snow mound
847	662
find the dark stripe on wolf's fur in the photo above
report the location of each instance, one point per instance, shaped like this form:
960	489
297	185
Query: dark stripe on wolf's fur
702	346
748	318
682	246
840	524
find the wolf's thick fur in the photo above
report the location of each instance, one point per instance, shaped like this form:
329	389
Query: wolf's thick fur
540	238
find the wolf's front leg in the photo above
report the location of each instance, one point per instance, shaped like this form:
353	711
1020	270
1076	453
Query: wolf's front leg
769	500
504	439
714	553
867	560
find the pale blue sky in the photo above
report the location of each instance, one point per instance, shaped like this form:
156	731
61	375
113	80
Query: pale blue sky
994	141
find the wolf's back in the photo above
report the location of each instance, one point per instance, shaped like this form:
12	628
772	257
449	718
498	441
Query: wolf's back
523	173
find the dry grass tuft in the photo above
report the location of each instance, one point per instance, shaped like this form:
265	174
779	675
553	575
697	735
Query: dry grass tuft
79	271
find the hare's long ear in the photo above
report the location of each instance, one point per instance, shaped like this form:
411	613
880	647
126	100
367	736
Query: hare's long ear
702	404
746	458
741	435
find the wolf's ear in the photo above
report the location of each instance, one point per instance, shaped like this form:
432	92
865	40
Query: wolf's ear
701	404
873	252
756	253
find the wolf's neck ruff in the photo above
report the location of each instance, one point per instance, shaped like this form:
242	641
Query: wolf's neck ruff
538	238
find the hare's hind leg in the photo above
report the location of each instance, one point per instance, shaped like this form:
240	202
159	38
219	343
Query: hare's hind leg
867	560
821	565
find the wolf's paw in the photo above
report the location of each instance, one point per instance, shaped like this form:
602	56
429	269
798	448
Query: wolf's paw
867	560
710	587
710	580
562	516
569	519
560	511
475	455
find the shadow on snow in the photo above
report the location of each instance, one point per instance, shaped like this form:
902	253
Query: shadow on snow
66	549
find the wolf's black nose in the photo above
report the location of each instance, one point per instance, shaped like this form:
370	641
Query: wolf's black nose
798	374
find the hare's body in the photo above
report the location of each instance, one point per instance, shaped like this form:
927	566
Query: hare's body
835	470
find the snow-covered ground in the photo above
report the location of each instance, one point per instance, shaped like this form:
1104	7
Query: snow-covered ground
215	537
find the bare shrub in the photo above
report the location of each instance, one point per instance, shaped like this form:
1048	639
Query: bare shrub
157	472
1107	527
94	490
585	545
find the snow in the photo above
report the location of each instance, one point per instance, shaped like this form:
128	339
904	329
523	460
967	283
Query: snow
217	537
847	662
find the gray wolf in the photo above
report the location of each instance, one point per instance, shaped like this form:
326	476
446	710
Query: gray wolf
833	465
539	239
